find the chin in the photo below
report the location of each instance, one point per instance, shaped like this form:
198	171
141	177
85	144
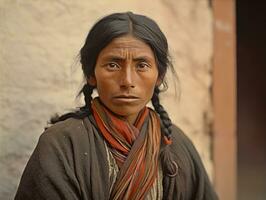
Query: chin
124	112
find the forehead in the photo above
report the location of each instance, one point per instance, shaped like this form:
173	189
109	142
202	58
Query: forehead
127	44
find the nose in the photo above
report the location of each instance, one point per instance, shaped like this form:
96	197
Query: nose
127	78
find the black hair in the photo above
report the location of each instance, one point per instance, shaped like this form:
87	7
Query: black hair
100	35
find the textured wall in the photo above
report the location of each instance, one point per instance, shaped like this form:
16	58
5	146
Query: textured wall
40	74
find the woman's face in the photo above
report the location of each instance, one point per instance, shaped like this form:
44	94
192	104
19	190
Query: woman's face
125	76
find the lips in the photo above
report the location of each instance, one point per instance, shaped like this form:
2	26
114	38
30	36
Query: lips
126	98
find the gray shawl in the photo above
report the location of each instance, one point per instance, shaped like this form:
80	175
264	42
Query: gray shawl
70	163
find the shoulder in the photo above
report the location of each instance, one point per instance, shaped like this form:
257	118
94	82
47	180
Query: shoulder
65	126
70	129
67	139
191	164
185	150
182	146
179	136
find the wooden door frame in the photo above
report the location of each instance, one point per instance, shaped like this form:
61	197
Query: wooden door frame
224	99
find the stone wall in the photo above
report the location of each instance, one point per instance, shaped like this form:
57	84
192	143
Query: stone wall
40	73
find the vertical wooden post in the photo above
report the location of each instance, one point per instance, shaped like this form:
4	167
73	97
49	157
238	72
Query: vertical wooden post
224	99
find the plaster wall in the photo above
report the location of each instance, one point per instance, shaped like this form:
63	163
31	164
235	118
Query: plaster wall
40	72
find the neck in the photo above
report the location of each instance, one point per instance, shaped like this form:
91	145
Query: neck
132	118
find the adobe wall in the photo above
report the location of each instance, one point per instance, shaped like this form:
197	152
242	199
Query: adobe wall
40	73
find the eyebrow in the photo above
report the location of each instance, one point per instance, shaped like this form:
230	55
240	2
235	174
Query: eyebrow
120	59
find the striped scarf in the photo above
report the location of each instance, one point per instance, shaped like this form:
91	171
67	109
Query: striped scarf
134	147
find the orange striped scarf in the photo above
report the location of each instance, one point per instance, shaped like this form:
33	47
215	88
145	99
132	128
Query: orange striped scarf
134	147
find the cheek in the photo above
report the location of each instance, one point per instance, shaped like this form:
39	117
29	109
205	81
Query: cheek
151	81
148	87
106	87
103	87
102	81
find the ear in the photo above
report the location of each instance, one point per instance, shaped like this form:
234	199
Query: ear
92	81
158	82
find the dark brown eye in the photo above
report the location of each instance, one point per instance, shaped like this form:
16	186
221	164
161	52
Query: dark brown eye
113	66
143	66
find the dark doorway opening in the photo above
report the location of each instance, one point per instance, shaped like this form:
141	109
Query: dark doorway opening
251	99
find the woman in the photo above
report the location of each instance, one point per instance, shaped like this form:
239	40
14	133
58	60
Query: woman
115	147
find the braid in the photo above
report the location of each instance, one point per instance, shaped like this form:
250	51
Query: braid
82	112
170	167
163	114
87	92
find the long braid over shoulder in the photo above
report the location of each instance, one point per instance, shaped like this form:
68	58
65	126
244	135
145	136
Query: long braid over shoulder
162	112
169	166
